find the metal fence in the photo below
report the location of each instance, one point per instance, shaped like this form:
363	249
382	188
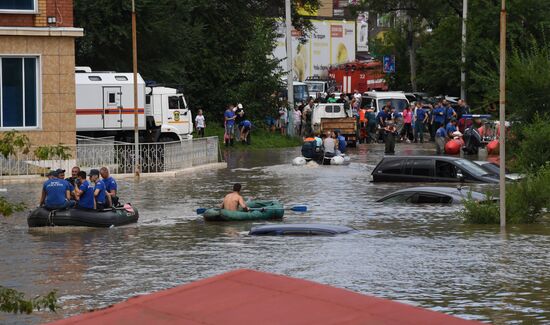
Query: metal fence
120	157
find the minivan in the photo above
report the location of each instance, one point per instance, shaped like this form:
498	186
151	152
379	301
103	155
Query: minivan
430	169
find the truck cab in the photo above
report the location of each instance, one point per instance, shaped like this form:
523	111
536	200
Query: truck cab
319	87
168	112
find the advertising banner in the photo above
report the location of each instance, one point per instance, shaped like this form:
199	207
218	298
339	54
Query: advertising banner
363	32
331	42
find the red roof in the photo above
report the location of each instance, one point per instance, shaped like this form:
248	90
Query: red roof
252	297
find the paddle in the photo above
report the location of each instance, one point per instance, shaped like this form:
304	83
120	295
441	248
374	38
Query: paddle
296	208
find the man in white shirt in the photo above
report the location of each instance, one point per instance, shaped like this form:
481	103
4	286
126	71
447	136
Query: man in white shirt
200	124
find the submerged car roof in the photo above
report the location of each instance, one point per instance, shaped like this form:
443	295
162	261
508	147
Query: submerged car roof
422	157
455	192
299	229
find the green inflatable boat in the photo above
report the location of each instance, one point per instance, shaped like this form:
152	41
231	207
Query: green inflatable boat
259	210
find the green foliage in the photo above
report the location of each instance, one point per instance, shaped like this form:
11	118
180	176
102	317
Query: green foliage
481	212
13	142
526	202
219	51
528	82
7	208
52	152
532	150
13	301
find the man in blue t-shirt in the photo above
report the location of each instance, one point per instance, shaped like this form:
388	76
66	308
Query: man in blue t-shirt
438	116
100	195
55	193
451	127
229	122
341	141
245	127
420	119
85	192
110	185
440	139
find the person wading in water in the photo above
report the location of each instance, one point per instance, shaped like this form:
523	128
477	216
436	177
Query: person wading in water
234	200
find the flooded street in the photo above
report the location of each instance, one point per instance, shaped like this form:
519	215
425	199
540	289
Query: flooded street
423	255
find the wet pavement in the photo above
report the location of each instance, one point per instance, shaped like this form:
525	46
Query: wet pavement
422	255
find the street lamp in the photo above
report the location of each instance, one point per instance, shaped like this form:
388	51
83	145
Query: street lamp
136	118
463	68
290	77
502	102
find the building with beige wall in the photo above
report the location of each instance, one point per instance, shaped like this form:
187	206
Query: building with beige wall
37	60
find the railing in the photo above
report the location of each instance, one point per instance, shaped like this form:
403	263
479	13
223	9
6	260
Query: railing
120	157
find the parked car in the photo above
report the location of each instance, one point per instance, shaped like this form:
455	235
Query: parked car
494	169
430	169
432	195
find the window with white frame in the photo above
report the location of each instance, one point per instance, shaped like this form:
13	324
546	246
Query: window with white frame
19	6
19	92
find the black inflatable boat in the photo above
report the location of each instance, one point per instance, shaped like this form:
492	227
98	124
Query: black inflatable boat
41	217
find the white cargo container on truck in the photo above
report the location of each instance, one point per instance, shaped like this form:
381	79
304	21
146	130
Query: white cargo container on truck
105	107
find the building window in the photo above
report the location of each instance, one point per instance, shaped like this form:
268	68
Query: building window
19	92
384	20
19	6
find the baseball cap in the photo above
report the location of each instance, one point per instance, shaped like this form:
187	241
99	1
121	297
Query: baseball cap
52	173
94	172
60	171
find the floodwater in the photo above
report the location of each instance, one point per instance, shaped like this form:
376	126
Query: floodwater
423	256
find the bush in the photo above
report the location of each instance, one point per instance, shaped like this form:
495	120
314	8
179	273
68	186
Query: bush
13	301
533	147
526	202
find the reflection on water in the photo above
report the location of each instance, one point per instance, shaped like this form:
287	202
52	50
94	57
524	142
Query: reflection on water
420	255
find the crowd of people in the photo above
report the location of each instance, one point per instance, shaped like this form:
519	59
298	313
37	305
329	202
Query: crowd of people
236	125
323	145
439	120
95	193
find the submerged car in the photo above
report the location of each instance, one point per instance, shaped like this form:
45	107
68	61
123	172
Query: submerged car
494	169
425	169
432	195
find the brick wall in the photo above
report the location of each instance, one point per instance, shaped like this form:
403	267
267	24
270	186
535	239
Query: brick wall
61	9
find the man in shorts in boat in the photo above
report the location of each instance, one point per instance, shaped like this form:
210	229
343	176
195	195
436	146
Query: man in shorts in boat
234	200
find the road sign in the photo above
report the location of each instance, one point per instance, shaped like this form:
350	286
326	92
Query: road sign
389	64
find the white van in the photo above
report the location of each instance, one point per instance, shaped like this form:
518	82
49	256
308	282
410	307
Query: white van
378	99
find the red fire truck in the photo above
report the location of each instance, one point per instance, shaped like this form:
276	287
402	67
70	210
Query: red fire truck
361	76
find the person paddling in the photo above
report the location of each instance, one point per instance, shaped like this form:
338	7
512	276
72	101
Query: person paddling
234	200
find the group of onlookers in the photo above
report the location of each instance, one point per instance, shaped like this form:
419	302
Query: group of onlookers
236	125
98	193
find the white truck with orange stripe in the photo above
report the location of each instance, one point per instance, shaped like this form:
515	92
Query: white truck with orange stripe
105	107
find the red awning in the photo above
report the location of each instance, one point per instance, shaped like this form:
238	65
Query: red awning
252	297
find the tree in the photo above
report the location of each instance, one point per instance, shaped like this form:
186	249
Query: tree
413	18
219	51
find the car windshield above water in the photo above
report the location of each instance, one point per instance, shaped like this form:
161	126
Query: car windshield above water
471	167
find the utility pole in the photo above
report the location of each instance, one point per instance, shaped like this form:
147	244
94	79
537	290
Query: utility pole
136	118
502	137
463	66
290	77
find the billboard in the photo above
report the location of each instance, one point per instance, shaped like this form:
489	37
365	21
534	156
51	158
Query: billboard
331	42
363	32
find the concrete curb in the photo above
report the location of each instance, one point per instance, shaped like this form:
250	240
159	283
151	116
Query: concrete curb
39	179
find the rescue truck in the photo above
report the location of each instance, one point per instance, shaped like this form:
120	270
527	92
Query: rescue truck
361	76
105	107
